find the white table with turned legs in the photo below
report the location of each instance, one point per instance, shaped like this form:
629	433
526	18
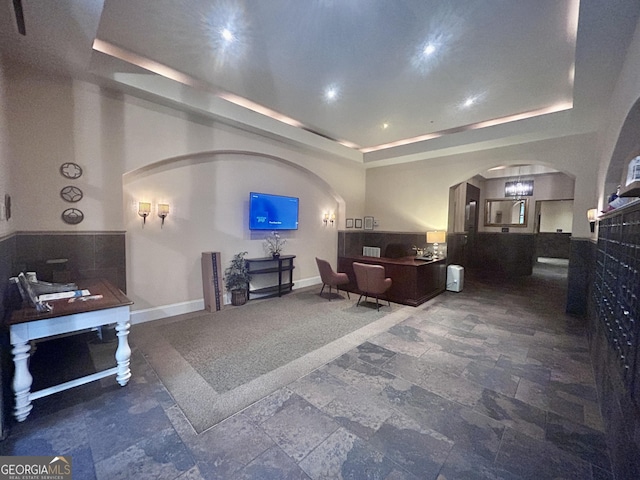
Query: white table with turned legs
67	317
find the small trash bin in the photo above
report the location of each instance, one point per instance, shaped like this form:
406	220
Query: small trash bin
455	278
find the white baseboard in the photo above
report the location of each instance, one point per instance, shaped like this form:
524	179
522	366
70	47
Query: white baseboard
164	311
156	313
307	282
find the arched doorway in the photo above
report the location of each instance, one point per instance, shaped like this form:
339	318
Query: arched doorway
486	235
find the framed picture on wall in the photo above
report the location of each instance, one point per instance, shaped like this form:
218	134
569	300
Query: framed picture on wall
358	223
349	223
368	223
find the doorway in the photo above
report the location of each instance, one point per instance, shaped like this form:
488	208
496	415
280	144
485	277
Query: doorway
464	214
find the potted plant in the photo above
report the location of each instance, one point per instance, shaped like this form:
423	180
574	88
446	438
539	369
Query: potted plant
273	244
236	279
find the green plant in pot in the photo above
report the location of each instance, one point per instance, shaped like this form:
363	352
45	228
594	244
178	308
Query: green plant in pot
237	278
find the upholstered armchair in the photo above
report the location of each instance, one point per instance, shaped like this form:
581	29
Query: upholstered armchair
331	278
371	281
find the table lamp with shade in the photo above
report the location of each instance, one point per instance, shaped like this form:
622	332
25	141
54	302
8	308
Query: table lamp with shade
436	237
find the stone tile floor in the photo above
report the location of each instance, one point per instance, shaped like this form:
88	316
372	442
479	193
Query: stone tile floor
493	382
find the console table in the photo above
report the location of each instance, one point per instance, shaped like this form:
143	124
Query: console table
414	281
282	266
28	324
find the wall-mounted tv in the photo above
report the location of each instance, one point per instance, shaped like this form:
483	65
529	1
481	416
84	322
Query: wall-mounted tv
272	212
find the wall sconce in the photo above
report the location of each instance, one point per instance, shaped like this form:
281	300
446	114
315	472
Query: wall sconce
163	211
436	238
332	218
144	209
325	219
592	215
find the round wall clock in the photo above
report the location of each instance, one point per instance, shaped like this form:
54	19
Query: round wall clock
71	194
72	216
71	170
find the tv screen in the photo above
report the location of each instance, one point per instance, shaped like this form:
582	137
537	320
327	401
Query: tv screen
272	212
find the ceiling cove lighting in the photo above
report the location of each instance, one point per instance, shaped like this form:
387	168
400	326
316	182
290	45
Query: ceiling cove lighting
474	126
573	10
164	71
142	62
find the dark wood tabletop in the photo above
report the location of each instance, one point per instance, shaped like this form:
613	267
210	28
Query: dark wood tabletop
111	297
411	260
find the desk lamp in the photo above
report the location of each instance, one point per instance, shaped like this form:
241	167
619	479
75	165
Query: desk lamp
436	238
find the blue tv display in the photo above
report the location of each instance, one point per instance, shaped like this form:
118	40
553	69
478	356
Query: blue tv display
272	212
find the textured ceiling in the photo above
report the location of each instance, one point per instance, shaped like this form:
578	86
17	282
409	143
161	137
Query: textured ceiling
401	70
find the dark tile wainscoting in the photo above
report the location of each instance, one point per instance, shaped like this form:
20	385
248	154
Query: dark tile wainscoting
504	254
553	245
7	255
88	255
350	243
493	253
581	265
7	258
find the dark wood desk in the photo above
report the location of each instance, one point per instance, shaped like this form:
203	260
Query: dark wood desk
28	324
413	281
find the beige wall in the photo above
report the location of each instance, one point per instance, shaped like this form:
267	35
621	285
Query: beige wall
6	227
556	215
555	186
626	93
210	212
133	150
414	197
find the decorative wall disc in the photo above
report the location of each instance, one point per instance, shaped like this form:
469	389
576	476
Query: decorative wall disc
71	194
71	170
72	216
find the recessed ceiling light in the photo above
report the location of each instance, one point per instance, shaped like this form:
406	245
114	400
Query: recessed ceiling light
227	35
429	49
331	93
469	101
426	54
385	125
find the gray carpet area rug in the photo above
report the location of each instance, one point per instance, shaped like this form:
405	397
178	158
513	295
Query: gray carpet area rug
216	364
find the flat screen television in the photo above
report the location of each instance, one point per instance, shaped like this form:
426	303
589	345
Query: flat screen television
272	212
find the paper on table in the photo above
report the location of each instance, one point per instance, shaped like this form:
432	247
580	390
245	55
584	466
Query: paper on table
57	296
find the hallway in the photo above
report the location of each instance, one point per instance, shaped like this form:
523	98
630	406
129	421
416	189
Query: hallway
491	382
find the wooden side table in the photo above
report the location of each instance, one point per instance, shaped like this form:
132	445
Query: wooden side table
67	317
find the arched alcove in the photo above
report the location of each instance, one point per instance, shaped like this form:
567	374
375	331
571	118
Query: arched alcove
627	146
208	196
513	247
220	155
